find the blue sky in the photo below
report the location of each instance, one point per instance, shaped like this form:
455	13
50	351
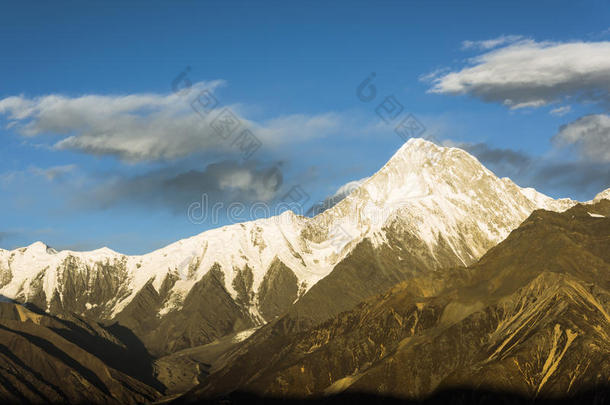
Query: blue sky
99	150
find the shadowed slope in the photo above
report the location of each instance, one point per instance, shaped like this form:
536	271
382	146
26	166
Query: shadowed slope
48	359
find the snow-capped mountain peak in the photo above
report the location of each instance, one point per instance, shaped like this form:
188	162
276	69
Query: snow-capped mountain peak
603	195
433	191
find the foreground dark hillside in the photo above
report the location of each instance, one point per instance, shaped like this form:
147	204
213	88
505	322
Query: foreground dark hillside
49	359
529	321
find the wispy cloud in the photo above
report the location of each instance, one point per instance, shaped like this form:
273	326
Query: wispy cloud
590	135
54	172
561	111
145	127
335	198
491	43
581	176
51	173
6	235
533	74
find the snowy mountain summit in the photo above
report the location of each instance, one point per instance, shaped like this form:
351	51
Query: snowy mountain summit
426	200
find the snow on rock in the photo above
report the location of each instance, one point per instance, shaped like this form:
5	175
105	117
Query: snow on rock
595	215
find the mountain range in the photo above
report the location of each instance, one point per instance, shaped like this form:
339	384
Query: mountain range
477	277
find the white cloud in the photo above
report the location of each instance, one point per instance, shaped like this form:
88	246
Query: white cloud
561	111
429	77
491	43
140	127
49	173
337	197
590	134
348	188
533	74
7	178
54	172
299	127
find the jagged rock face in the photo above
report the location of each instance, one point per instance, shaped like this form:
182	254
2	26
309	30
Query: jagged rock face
427	209
90	289
530	318
278	291
64	282
45	359
190	326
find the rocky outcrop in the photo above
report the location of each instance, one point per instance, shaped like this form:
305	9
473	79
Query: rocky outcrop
278	290
208	312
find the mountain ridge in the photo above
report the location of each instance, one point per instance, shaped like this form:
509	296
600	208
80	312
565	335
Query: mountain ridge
420	194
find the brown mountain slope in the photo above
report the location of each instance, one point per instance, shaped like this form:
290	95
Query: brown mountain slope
530	318
47	359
